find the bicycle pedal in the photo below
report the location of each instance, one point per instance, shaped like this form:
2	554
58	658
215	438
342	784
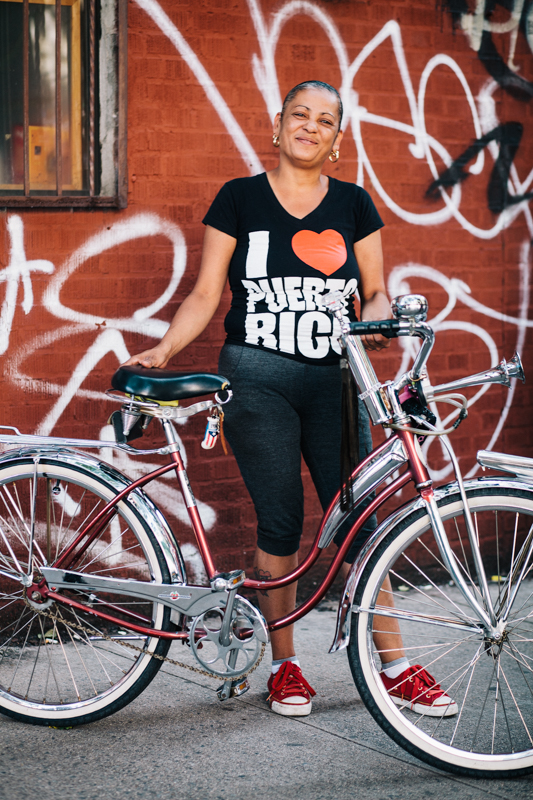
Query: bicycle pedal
233	689
239	687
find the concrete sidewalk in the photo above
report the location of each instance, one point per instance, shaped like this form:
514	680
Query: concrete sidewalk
178	741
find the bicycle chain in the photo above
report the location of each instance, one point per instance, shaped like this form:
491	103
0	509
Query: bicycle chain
88	631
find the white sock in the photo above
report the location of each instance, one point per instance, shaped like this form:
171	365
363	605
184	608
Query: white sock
277	664
393	669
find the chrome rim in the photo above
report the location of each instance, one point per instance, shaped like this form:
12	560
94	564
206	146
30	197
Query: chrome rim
75	662
489	678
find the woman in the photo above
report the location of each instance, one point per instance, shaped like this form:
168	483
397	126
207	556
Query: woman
284	238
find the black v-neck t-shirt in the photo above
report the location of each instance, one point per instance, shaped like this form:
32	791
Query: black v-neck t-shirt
282	265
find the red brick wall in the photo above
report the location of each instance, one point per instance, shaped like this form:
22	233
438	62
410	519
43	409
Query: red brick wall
180	152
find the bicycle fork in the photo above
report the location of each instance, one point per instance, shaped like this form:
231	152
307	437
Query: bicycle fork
484	613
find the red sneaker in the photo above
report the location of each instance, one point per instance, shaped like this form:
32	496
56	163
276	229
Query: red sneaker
289	692
417	689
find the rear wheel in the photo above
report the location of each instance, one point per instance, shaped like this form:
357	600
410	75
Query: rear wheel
63	667
490	679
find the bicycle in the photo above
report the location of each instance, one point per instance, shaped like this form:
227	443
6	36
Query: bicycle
89	565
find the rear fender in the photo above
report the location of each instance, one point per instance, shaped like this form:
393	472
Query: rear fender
117	481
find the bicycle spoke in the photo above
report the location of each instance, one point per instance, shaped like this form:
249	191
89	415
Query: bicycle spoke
404	598
472	667
50	665
455	686
487	674
101	650
498	569
48	654
78	653
509	587
510	652
98	556
516	704
20	656
460	539
459	613
58	634
60	548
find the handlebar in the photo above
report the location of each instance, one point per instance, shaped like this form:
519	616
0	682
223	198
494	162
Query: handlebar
390	328
382	400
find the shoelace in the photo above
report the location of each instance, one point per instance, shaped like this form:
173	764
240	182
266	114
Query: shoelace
290	678
421	683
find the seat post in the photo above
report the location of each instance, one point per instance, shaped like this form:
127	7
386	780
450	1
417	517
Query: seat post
190	501
170	432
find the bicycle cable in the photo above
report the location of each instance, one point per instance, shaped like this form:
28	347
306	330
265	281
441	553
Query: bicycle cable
451	399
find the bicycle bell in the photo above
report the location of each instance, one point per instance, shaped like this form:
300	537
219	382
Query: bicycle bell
410	306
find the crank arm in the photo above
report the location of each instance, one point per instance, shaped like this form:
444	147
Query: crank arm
189	600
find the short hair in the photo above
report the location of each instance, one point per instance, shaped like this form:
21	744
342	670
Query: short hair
312	85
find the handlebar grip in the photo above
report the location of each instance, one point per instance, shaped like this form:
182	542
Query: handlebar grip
389	328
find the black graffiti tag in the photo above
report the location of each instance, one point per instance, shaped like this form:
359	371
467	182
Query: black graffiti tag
508	135
487	52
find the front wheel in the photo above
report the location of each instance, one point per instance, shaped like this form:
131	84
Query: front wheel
490	680
60	666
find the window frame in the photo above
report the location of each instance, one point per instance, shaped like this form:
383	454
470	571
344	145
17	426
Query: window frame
61	199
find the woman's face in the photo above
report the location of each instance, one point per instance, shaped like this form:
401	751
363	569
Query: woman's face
309	130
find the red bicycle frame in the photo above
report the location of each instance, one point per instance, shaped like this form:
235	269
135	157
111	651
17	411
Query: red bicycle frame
415	471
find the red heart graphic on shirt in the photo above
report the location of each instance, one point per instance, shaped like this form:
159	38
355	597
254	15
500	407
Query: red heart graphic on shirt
324	251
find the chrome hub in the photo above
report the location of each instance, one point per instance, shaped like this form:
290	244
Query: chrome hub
36	596
494	644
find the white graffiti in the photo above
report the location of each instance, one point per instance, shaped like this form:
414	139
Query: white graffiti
423	145
106	334
108	339
474	23
459	292
17	270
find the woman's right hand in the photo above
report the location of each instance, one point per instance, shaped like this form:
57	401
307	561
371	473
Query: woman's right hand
155	357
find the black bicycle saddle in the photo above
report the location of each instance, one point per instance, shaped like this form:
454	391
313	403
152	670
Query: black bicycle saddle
167	384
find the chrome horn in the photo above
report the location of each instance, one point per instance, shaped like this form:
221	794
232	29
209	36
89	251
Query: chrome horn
514	368
500	374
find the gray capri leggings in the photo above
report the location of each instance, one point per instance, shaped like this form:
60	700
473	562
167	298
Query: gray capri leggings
283	409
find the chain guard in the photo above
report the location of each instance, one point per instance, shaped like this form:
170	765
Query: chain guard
212	655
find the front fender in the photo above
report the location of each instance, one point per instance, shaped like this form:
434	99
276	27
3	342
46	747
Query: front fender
344	613
116	480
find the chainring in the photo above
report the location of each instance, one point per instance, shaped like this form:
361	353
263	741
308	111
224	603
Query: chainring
247	634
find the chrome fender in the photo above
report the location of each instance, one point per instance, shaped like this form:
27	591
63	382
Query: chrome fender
367	477
117	481
516	465
344	613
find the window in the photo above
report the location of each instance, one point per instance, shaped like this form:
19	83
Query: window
63	103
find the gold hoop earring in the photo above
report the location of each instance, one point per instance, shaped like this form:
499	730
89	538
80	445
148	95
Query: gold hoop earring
275	140
334	156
